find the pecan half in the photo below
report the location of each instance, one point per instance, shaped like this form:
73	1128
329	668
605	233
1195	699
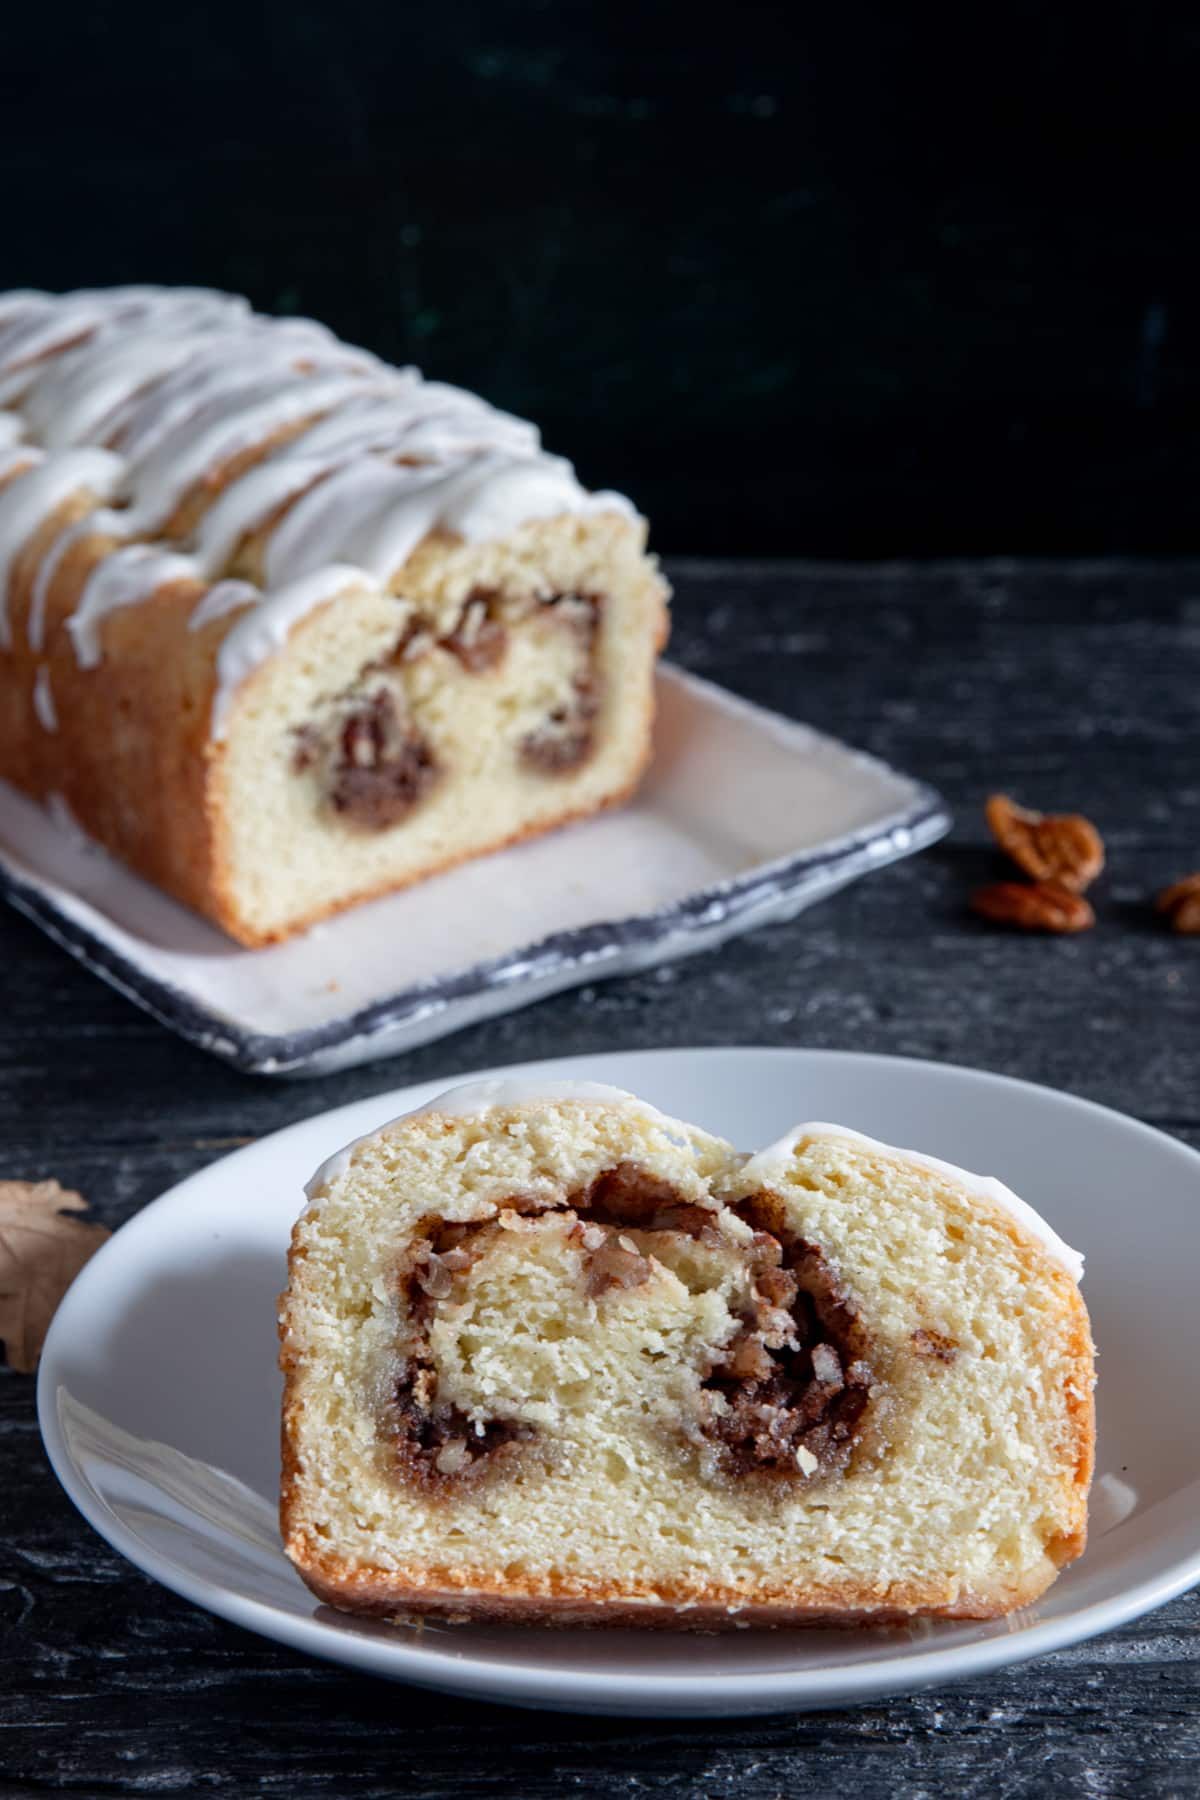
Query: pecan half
1033	906
1064	848
385	767
1180	904
478	640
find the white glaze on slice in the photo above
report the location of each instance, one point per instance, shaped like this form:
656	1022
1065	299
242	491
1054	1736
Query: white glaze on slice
770	1166
28	502
123	578
226	597
104	522
773	1165
474	1098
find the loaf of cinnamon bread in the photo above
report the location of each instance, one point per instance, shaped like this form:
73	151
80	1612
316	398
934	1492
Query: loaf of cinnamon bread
284	627
552	1356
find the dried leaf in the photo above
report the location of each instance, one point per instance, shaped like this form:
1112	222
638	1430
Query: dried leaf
42	1249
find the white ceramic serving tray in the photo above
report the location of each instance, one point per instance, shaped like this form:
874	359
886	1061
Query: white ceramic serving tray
745	817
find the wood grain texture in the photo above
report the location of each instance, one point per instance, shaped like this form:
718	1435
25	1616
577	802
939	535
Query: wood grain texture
1069	687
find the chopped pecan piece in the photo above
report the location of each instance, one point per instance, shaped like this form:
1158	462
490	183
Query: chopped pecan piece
566	740
434	1443
934	1343
306	748
386	767
414	640
1062	848
793	1399
616	1263
1033	906
478	640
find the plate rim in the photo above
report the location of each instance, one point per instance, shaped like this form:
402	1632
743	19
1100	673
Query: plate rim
541	1685
910	828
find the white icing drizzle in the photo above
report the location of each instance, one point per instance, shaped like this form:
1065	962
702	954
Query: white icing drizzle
263	629
29	500
523	490
17	454
447	421
43	699
472	1098
37	331
774	1162
19	300
104	521
162	476
122	578
226	597
246	502
89	383
36	326
229	366
141	394
347	513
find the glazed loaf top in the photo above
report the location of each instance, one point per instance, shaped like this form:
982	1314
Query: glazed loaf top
193	420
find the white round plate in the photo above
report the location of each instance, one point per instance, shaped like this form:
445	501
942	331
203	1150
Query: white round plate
158	1394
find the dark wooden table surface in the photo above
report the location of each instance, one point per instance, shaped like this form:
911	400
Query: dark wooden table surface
1073	685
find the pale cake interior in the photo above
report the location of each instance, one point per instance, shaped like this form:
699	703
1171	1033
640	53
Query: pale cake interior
516	682
558	1403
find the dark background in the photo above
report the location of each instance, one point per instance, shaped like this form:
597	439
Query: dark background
848	281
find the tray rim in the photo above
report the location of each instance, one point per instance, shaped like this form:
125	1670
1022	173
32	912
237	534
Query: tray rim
725	908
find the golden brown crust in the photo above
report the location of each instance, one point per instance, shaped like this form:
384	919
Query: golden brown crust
1081	1411
130	752
456	1595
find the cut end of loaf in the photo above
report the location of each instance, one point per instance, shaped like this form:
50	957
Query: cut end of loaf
500	691
563	1359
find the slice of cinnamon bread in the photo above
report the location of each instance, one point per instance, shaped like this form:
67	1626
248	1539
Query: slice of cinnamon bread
553	1356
